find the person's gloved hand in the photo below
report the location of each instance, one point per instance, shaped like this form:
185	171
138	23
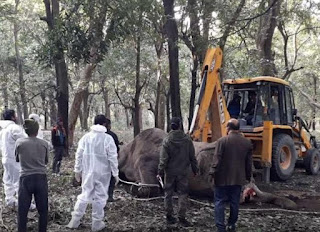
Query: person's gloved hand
77	176
116	178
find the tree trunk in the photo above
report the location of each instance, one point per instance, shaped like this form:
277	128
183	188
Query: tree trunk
196	45
208	8
193	88
268	23
77	100
172	35
136	99
168	111
22	88
62	96
160	98
162	111
127	117
19	110
105	94
96	29
85	110
53	108
81	117
4	89
315	100
226	33
45	108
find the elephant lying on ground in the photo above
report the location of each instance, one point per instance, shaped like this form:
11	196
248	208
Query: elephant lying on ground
138	162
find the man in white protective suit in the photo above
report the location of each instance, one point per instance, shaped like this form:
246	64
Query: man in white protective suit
36	118
96	161
10	133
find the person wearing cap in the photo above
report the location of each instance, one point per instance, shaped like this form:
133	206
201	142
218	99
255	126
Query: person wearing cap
32	153
231	168
58	139
176	156
10	133
36	117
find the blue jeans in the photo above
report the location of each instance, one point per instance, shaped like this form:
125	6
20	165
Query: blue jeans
226	194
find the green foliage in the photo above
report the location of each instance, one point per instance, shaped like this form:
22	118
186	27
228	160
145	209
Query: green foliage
126	20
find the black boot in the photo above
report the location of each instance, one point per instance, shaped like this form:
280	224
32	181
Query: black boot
58	167
171	220
54	166
111	189
231	228
184	222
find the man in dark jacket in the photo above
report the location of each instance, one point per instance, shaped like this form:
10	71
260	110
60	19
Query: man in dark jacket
176	156
232	166
58	138
116	141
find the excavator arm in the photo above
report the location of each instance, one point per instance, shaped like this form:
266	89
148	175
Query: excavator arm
211	115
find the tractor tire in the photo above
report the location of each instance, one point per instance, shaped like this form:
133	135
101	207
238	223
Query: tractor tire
283	157
312	161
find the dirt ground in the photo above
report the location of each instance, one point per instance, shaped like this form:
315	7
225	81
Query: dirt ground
130	214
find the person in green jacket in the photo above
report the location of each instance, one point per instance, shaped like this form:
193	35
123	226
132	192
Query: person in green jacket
176	156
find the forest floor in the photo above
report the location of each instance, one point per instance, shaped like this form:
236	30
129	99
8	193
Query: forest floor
132	214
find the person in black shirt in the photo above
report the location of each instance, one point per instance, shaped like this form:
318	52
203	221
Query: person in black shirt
116	141
58	138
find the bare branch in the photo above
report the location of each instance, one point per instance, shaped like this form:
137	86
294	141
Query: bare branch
311	101
230	24
126	106
259	15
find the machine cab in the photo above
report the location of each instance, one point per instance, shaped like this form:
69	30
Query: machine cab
259	99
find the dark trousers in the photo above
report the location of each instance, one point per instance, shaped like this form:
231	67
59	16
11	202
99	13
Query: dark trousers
36	185
226	194
180	184
58	154
111	187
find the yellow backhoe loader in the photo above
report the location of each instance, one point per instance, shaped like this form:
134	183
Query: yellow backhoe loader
265	109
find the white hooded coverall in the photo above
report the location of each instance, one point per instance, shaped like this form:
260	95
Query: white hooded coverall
96	159
9	134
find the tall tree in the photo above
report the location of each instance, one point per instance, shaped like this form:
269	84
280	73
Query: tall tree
156	16
195	42
62	91
268	23
22	87
171	30
136	100
97	12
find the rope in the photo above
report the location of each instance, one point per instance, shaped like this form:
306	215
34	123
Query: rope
139	184
211	205
244	210
282	210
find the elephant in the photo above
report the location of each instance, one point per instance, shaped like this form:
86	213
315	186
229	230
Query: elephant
138	162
